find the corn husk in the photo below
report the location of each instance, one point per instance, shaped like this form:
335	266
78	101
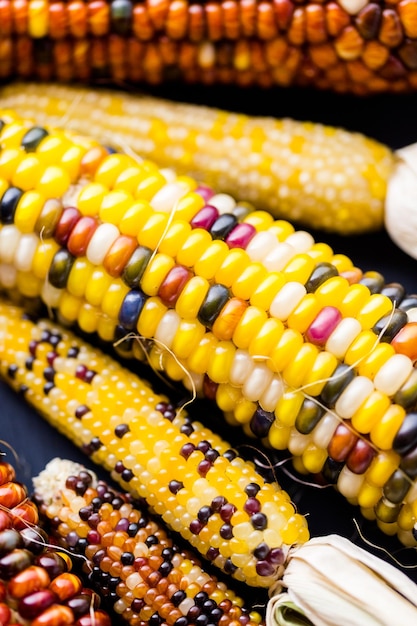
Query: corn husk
329	581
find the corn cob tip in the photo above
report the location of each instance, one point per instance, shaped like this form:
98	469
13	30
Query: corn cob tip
401	201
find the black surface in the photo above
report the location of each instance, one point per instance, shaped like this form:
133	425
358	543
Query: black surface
390	119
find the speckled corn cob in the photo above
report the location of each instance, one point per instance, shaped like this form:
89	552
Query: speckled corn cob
130	559
303	349
37	585
186	473
298	171
350	46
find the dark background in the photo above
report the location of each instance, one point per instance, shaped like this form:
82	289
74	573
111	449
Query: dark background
389	118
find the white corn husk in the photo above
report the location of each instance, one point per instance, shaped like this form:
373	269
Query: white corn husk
329	581
401	201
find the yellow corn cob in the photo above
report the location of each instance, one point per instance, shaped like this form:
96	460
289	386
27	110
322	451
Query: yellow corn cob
298	171
186	473
199	486
129	557
348	46
303	349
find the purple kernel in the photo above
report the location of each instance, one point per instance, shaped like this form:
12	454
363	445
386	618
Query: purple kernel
205	218
323	325
93	537
251	506
196	526
241	235
203	467
121	430
187	449
264	568
227	511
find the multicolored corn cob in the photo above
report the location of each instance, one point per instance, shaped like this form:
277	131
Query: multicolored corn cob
298	171
291	340
37	585
128	557
186	473
359	47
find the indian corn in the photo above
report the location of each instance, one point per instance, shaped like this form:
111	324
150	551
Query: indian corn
37	585
128	556
197	484
348	46
298	171
293	342
186	473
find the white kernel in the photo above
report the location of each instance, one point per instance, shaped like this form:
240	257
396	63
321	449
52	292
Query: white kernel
349	484
393	374
349	401
101	241
286	300
342	337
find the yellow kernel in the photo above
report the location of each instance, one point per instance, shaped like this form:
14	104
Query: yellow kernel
111	167
268	335
321	253
220	363
381	467
232	267
42	258
71	161
287	346
155	272
28	285
299	268
148	187
304	313
152	231
28	172
113	298
342	263
370	412
266	290
9	160
97	285
282	229
302	362
188	206
90	198
12	135
69	307
198	361
314	458
191	297
332	291
361	347
52	148
54	182
249	324
188	335
87	318
369	495
28	210
248	280
114	205
38	19
288	407
80	273
106	328
406	518
377	307
244	411
174	237
354	300
371	364
260	220
383	433
134	217
227	397
211	259
193	247
320	372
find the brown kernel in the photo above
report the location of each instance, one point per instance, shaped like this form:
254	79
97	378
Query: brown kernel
323	55
296	31
316	24
336	19
368	21
407	10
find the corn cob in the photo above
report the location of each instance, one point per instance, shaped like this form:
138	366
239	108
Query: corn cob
130	559
37	586
213	490
357	47
297	171
292	341
214	499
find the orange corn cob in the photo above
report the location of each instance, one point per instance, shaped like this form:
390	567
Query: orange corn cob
130	559
37	586
349	46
